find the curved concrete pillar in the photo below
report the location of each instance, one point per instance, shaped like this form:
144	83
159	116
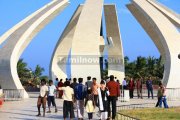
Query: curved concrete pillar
171	15
17	40
165	36
115	53
85	50
59	58
17	26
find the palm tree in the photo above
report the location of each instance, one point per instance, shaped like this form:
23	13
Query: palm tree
151	61
37	74
23	72
140	67
159	67
144	67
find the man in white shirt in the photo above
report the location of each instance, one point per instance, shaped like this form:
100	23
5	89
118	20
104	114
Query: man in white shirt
68	96
42	97
51	98
124	83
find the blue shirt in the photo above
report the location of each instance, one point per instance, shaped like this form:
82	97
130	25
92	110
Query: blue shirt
149	84
80	91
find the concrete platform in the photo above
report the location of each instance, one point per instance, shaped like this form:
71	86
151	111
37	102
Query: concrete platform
27	110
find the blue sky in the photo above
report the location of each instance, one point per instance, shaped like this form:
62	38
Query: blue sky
135	40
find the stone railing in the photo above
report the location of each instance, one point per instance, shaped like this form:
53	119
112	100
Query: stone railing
13	94
135	106
173	94
1	97
121	116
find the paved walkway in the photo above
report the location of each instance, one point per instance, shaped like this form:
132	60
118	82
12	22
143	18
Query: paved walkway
27	110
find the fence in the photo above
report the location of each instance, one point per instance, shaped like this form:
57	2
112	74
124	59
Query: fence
124	97
135	106
121	116
13	94
173	93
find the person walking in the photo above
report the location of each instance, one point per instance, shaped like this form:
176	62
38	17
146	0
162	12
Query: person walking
95	87
74	84
60	84
103	94
124	86
90	104
114	91
159	95
149	86
68	98
119	84
51	99
80	94
163	96
42	97
56	85
131	86
89	83
139	88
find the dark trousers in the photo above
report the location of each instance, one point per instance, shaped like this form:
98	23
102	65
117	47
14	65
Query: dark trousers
131	93
150	90
51	99
68	108
112	101
96	100
124	88
90	115
157	104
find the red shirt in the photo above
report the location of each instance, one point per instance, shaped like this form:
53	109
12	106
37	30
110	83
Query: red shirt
131	85
113	88
60	84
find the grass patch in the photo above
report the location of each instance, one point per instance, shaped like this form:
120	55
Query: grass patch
154	113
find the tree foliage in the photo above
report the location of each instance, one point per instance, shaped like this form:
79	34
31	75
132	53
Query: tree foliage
28	76
144	67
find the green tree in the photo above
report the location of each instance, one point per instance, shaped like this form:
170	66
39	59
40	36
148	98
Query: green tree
159	69
144	67
23	72
151	63
140	67
37	74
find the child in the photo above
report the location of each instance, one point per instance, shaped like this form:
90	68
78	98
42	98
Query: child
103	102
51	98
42	97
90	104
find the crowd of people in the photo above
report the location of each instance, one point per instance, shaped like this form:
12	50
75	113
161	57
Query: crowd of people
138	84
91	95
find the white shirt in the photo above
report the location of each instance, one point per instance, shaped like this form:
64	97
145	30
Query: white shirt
51	90
107	80
124	83
43	90
67	93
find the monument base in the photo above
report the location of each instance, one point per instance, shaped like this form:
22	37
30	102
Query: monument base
15	94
